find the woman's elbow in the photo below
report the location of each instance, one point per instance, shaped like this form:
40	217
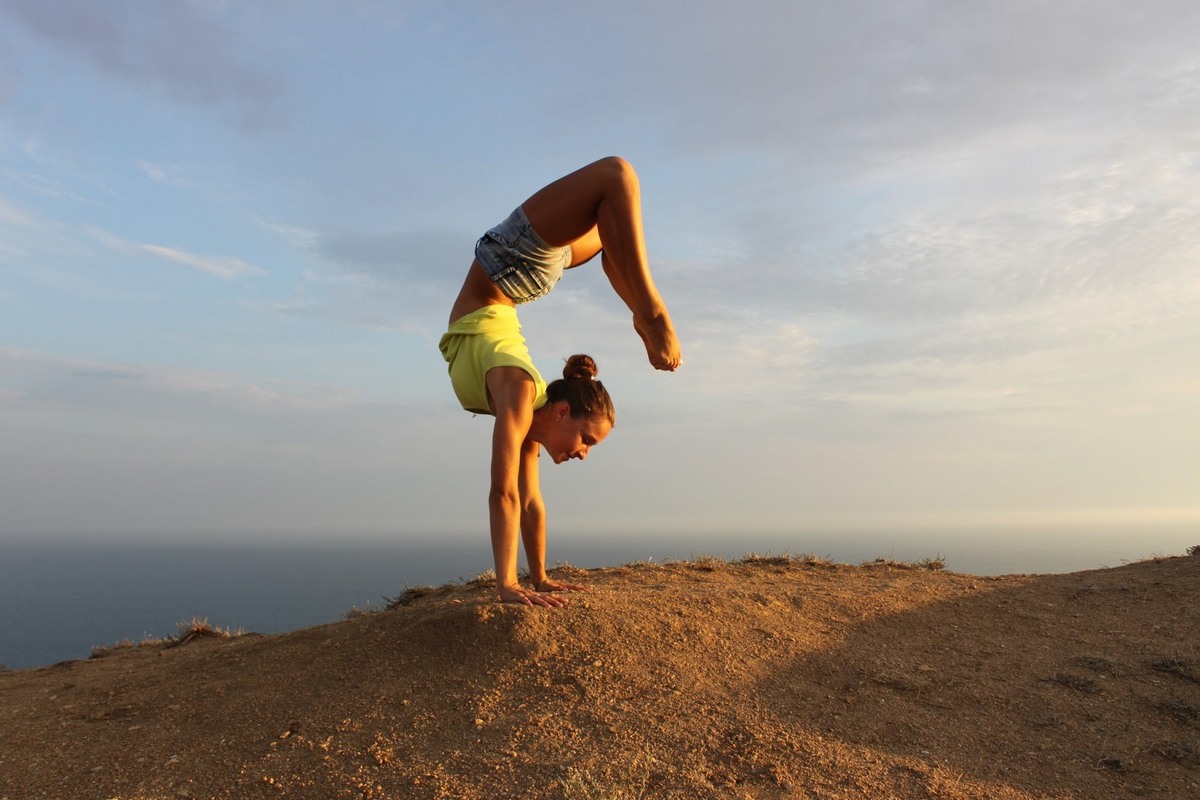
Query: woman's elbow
533	509
504	498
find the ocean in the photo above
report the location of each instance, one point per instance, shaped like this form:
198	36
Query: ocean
62	596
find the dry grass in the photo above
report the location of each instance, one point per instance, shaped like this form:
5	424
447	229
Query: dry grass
187	632
413	593
627	782
783	559
1185	753
199	629
1099	664
705	562
367	609
1179	710
935	564
1079	683
1178	666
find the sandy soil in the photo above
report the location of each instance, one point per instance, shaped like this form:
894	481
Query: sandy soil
768	678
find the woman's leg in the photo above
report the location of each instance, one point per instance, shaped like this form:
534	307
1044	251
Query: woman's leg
598	208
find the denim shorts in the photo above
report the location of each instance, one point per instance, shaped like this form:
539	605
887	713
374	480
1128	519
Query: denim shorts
519	261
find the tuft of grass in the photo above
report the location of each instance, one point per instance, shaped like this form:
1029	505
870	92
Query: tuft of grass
199	629
1098	664
1179	710
409	596
705	562
187	632
368	609
1178	666
484	580
1077	682
100	651
1084	591
1185	753
814	560
935	564
1194	550
930	564
580	784
782	560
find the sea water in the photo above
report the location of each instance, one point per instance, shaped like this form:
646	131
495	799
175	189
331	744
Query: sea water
62	596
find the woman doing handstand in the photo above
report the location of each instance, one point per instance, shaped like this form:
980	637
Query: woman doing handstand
594	210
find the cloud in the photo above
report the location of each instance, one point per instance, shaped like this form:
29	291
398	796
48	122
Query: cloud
47	394
153	171
885	77
220	266
224	267
12	215
387	280
296	236
179	49
160	173
38	378
108	445
440	256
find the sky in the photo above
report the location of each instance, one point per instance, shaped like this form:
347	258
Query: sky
931	263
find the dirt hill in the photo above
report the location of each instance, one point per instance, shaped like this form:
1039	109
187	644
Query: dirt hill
767	678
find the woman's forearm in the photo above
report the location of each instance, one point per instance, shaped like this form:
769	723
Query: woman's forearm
533	535
505	516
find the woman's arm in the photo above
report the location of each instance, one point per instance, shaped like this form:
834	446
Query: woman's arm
513	393
533	526
533	513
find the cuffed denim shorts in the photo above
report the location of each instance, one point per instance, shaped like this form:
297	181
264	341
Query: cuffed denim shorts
519	261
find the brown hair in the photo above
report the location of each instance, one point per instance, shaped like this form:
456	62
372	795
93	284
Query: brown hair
585	395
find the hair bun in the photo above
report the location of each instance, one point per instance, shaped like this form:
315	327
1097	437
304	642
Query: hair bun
581	367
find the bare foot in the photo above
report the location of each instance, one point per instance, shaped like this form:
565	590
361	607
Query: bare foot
662	346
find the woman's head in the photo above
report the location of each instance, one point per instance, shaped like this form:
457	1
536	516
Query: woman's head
585	395
580	409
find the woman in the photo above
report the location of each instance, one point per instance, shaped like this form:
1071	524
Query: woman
595	210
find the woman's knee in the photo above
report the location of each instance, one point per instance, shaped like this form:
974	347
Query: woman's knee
617	170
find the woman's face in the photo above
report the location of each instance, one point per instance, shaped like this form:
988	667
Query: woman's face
570	437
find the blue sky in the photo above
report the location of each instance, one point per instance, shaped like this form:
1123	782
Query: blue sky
932	263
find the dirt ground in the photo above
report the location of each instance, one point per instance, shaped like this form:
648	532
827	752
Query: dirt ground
774	677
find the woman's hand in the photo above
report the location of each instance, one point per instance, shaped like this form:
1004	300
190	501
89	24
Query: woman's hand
523	596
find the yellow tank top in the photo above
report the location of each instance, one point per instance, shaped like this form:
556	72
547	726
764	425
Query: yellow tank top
486	338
